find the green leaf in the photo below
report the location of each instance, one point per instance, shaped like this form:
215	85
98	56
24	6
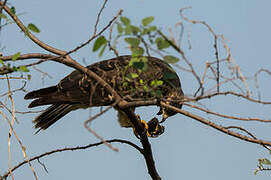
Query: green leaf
133	75
14	68
145	88
128	30
139	63
13	10
15	56
33	28
171	59
266	161
2	62
169	75
141	81
125	84
157	93
137	51
120	28
146	21
152	28
135	29
134	42
159	82
28	76
3	16
126	21
156	82
100	41
161	43
102	50
149	29
23	69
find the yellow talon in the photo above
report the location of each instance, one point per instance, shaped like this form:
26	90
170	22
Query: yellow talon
150	131
146	127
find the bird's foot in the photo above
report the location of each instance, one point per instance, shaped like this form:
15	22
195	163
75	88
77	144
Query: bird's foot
153	128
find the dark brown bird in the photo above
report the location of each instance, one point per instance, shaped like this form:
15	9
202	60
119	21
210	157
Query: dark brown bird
133	78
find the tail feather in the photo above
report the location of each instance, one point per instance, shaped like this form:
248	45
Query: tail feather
45	101
51	115
41	92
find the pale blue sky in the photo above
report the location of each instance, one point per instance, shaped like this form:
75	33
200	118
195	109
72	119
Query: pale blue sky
187	149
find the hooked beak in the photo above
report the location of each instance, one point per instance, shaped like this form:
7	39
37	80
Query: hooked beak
165	116
160	111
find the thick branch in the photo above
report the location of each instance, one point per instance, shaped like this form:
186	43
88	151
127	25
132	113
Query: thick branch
68	61
75	65
29	56
147	151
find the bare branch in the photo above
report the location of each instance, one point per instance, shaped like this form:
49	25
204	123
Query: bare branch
94	36
70	149
186	60
14	133
246	131
30	56
1	10
98	17
29	34
68	60
227	116
147	151
230	93
86	124
217	127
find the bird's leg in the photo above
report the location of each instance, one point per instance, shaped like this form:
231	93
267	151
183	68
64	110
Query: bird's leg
145	124
153	128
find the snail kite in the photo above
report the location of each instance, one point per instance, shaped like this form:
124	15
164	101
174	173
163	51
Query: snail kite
133	78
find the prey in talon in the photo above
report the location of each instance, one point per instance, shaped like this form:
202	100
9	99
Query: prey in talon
152	127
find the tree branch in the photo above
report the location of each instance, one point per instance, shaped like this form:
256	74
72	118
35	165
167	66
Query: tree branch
180	51
227	116
217	127
70	149
64	58
147	151
29	56
29	34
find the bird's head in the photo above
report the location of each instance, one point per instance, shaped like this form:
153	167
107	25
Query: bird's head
175	99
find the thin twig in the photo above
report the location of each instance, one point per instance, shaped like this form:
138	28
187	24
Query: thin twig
13	131
230	93
217	127
98	17
86	124
93	37
29	34
217	63
71	149
227	116
1	11
246	131
186	61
